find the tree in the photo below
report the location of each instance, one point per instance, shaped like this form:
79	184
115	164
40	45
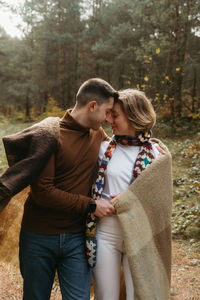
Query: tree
146	44
152	46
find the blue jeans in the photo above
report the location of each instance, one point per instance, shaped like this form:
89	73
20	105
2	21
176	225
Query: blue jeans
42	255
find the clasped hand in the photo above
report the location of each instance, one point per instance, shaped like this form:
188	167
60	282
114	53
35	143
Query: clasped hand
104	207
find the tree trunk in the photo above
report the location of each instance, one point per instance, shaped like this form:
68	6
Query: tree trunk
27	112
60	55
194	90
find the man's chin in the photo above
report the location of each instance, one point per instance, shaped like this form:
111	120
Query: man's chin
96	127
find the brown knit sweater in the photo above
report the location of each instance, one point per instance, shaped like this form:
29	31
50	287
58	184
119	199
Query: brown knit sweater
59	197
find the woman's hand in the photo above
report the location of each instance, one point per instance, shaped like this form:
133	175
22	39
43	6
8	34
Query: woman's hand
113	199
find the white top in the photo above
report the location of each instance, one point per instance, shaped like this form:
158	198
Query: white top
119	171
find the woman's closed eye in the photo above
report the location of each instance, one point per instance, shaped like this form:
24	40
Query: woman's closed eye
114	115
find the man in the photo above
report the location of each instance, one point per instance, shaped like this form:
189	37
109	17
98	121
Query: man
52	235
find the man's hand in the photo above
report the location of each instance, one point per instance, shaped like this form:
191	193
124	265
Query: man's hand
104	208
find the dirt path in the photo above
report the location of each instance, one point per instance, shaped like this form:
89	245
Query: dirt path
185	276
185	271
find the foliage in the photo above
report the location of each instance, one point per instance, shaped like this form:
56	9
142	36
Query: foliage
186	221
52	109
186	173
150	46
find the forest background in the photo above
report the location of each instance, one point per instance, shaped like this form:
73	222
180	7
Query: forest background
150	45
153	46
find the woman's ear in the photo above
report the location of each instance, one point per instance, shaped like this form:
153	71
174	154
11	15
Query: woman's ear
92	105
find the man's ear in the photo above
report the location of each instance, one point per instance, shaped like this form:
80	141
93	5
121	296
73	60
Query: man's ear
92	105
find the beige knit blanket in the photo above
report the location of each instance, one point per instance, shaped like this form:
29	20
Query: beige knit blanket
144	211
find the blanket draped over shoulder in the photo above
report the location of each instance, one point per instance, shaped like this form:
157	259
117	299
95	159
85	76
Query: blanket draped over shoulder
27	153
144	211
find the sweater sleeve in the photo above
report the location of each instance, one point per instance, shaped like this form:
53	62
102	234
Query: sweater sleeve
45	194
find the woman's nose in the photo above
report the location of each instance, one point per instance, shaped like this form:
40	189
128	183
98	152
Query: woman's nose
109	119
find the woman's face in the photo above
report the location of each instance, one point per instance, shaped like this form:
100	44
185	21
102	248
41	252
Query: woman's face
119	122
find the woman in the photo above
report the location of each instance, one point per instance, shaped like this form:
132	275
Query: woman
123	159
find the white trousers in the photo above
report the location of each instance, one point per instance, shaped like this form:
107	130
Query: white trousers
110	256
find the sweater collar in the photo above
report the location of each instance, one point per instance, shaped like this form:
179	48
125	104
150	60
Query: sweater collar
69	122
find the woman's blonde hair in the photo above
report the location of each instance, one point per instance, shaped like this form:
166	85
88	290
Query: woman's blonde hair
138	109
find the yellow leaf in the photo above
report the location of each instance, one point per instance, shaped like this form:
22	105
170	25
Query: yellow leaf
198	192
157	50
146	78
178	69
138	86
167	77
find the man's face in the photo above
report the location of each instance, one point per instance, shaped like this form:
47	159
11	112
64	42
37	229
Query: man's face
101	114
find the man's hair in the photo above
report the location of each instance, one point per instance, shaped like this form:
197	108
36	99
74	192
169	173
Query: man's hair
95	89
138	109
